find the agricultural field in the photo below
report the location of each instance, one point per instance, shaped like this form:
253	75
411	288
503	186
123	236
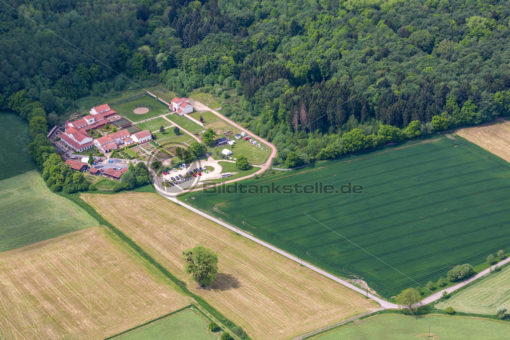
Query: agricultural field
485	296
186	123
154	124
14	140
424	207
186	324
494	138
265	293
156	108
433	327
30	212
82	285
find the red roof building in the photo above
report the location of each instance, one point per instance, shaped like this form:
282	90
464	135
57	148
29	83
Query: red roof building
142	136
100	109
114	173
181	105
77	165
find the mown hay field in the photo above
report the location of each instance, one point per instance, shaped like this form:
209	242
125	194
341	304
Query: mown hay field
424	207
268	295
81	285
433	327
493	137
486	296
30	212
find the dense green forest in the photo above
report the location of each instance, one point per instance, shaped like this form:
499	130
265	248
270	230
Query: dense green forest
319	78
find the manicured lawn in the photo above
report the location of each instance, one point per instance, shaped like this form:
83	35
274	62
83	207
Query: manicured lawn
402	327
156	108
254	154
208	117
187	324
14	140
424	207
30	212
154	125
186	123
483	297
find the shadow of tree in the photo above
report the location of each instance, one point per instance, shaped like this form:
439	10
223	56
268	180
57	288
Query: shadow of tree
225	281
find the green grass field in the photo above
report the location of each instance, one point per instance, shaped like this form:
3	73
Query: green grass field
186	324
425	207
153	125
14	140
126	109
483	297
206	98
431	327
208	117
254	154
185	123
30	212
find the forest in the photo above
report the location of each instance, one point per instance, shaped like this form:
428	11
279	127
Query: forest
318	78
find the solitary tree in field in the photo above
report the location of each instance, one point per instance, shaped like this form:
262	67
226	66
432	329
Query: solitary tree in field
409	297
202	264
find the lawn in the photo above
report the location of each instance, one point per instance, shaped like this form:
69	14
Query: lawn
105	184
433	327
424	207
268	295
14	140
485	296
206	98
207	116
254	154
30	212
186	123
83	285
231	167
154	124
187	324
125	109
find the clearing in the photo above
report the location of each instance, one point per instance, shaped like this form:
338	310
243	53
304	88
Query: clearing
14	140
431	327
266	294
485	296
30	212
125	108
82	285
186	324
494	138
424	207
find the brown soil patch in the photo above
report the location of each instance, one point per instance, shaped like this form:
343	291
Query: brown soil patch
268	295
140	110
81	285
494	138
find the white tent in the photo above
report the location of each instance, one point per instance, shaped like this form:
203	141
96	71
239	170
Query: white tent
226	152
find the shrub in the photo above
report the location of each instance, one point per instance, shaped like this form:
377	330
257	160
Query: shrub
460	272
213	327
491	259
501	254
502	313
442	282
431	286
446	295
226	336
239	332
450	310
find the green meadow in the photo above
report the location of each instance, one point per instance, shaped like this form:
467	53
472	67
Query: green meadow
424	207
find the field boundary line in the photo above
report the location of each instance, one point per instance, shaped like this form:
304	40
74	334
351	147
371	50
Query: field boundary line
383	303
180	127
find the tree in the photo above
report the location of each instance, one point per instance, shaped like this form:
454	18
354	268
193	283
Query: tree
197	149
431	286
209	137
449	310
242	163
442	282
501	314
162	129
501	254
202	264
413	129
293	160
491	259
177	131
156	165
460	272
226	336
91	158
213	327
409	297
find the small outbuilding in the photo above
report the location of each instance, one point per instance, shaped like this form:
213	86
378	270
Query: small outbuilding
226	152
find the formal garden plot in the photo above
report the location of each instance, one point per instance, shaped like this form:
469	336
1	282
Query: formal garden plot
127	107
424	207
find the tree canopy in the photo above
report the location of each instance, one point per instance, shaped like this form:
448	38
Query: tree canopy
202	264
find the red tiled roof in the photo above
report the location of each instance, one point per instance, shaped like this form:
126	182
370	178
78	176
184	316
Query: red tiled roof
111	137
94	170
76	165
109	146
102	108
79	123
177	100
77	134
142	134
114	172
185	104
74	144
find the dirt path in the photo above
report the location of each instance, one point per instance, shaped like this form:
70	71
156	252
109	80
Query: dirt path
180	127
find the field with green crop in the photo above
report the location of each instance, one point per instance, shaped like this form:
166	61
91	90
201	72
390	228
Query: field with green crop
185	123
187	324
423	208
30	212
14	140
486	296
155	107
433	327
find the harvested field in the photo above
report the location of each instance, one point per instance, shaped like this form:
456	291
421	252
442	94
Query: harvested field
79	286
494	138
486	296
268	295
424	207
